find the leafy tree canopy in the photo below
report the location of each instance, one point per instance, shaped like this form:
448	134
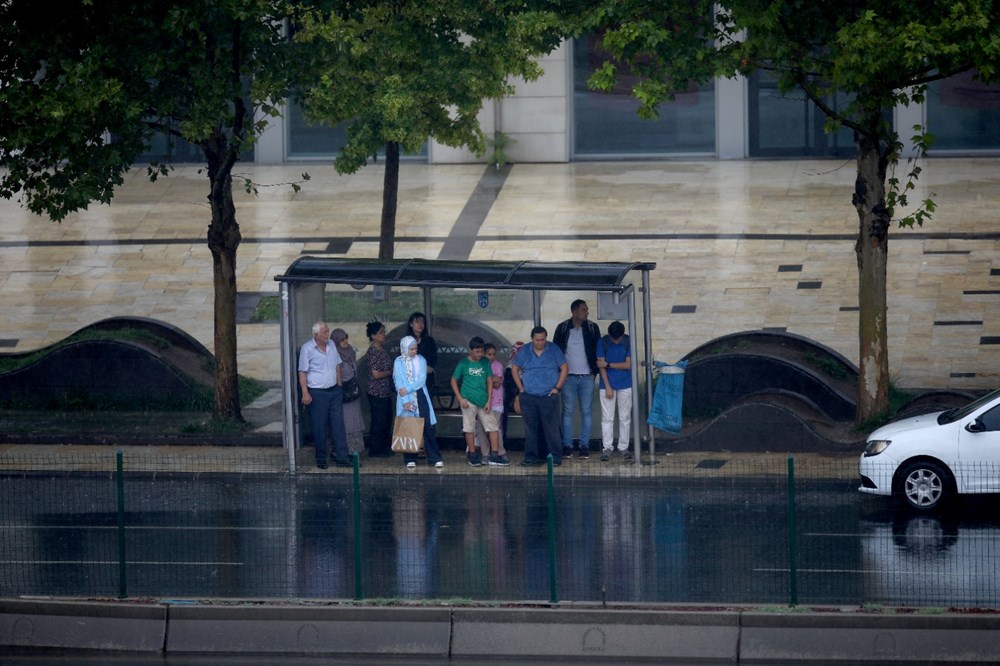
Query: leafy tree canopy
85	86
880	53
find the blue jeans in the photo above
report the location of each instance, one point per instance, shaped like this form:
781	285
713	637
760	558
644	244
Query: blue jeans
327	415
578	390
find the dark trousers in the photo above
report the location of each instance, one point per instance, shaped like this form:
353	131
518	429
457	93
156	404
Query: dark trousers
430	433
541	415
326	414
380	437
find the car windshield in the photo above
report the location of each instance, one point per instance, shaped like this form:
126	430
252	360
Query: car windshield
953	415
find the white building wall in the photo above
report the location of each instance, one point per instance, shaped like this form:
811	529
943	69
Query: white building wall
270	147
535	117
731	119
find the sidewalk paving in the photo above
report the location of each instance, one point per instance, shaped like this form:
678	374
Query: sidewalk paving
201	459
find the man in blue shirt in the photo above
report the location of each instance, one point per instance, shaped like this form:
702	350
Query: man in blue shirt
614	360
540	373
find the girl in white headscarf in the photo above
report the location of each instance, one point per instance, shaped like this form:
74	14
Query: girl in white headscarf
409	372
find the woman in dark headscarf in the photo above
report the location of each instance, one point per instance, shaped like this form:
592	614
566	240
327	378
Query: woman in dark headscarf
354	424
381	392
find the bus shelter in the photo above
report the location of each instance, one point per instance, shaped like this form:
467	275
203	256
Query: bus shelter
469	296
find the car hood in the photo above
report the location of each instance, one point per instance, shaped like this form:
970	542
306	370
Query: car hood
897	428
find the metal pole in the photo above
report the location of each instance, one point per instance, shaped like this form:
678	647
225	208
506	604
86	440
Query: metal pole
793	591
536	307
428	309
289	421
647	332
633	354
357	525
553	574
120	478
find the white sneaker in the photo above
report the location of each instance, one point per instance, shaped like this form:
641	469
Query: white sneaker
411	465
439	464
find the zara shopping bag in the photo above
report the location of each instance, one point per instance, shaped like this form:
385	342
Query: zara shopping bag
408	434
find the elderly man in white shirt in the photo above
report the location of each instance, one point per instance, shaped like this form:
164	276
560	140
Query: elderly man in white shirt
319	381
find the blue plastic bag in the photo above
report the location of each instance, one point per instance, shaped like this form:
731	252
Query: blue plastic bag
668	398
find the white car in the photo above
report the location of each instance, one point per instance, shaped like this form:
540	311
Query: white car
927	460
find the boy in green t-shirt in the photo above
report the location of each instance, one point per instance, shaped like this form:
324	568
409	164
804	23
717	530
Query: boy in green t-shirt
474	375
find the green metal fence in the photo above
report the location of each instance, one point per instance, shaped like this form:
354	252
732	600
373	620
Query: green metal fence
176	522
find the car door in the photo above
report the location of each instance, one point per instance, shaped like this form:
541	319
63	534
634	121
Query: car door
979	452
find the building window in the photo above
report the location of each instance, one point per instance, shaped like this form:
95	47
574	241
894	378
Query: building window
162	146
313	140
319	140
791	125
606	123
963	114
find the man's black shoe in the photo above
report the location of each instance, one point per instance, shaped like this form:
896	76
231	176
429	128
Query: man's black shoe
556	462
531	462
342	462
321	464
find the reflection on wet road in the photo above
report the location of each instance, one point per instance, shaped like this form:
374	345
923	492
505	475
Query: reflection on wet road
487	538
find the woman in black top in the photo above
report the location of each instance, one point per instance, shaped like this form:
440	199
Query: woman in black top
416	326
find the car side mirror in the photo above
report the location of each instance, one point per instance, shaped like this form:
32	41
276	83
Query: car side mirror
976	426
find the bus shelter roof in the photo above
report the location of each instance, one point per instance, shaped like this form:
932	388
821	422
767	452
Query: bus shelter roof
531	275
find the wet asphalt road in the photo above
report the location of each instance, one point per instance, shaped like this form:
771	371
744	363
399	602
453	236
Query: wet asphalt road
468	537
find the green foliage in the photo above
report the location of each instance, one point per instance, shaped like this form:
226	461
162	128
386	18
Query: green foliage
896	192
878	56
898	398
124	70
85	87
828	366
406	72
498	147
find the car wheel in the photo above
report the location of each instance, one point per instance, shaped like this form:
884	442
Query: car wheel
924	485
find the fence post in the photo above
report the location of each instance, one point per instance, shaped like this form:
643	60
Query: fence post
357	525
793	550
120	481
553	596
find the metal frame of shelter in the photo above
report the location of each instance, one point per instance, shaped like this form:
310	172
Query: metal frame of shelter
304	275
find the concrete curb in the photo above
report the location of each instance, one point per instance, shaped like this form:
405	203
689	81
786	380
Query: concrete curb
309	630
82	625
870	637
611	635
594	634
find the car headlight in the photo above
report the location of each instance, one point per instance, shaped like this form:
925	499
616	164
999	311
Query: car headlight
876	446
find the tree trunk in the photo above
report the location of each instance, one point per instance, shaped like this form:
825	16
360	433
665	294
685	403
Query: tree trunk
872	253
223	240
390	197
